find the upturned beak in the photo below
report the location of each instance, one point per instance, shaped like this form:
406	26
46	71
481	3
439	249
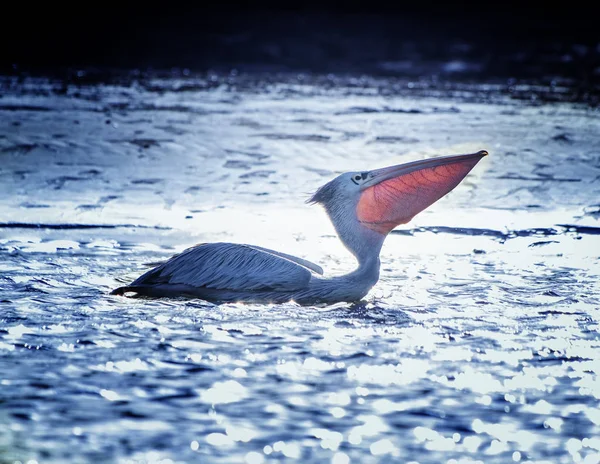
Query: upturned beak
379	175
394	195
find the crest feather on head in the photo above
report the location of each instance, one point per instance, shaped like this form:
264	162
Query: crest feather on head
324	194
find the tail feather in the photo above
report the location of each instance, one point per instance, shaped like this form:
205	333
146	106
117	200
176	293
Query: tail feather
121	290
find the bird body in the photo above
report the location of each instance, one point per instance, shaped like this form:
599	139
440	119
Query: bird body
254	274
363	207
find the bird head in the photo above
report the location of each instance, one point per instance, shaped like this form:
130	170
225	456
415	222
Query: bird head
382	199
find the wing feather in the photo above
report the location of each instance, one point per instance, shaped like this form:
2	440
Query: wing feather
232	266
303	262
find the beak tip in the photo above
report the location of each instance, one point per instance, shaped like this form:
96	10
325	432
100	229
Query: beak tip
482	153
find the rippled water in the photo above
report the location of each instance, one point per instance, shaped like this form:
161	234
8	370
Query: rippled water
479	343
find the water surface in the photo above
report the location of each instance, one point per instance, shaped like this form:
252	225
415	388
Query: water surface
479	344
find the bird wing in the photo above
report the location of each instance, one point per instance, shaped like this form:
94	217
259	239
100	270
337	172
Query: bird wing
303	262
232	266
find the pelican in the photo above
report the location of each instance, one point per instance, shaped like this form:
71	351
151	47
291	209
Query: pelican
363	207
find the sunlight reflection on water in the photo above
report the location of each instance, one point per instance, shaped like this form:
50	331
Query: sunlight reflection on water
479	343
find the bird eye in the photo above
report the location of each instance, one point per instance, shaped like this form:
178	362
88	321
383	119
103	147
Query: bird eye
357	177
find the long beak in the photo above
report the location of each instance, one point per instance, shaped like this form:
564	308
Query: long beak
379	175
394	195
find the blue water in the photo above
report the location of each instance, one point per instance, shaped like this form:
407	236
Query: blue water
479	343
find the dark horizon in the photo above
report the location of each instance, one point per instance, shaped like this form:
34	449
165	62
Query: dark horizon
305	35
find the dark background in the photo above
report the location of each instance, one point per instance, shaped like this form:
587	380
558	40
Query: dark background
310	36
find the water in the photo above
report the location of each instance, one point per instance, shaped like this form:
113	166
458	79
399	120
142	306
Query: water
479	343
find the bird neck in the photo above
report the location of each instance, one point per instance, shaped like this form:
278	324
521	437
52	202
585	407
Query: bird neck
356	284
364	243
367	272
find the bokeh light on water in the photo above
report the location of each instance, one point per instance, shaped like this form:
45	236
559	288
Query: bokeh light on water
479	344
